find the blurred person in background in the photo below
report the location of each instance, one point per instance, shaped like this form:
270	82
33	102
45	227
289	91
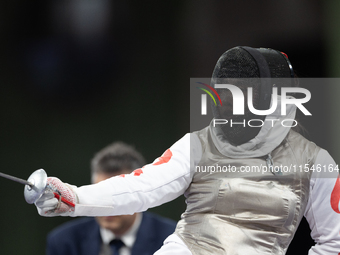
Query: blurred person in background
135	234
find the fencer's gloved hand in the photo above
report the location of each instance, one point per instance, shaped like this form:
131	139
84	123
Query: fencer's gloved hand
49	206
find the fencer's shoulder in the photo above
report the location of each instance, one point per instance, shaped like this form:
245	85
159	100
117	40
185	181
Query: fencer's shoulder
298	142
190	141
295	136
202	132
201	136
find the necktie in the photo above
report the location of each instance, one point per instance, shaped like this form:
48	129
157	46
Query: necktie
116	244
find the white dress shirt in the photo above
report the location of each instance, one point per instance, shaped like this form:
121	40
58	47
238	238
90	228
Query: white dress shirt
128	238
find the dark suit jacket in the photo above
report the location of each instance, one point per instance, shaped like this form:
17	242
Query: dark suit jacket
82	236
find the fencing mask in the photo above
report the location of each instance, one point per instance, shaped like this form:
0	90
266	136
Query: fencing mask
247	67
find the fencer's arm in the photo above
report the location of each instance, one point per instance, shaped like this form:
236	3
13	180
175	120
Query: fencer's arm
322	211
157	183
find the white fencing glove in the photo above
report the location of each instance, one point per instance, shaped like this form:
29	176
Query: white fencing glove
48	205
